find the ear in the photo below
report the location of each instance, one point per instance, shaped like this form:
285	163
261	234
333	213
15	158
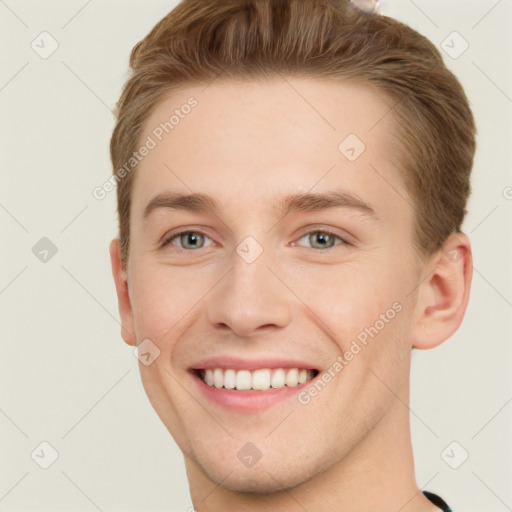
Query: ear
123	297
444	295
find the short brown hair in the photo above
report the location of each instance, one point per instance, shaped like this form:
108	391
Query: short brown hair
200	40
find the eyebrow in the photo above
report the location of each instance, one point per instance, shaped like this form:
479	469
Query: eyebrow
300	202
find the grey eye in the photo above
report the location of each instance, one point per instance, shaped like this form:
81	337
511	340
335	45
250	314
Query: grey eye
321	239
196	240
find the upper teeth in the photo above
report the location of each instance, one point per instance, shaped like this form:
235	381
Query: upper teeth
257	379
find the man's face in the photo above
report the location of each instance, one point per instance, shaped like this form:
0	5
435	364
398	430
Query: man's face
254	287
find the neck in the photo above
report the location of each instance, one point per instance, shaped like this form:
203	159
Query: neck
378	474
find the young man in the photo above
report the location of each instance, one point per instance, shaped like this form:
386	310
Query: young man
292	178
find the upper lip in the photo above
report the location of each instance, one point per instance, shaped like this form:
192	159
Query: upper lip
255	363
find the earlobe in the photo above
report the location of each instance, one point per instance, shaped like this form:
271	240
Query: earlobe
443	297
123	298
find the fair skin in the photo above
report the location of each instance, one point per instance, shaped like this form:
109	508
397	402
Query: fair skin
248	145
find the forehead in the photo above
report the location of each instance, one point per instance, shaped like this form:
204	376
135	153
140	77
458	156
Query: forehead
250	140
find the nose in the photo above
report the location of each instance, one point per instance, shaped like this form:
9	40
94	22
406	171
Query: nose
249	299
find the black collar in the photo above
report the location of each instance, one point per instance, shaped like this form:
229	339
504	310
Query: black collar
437	501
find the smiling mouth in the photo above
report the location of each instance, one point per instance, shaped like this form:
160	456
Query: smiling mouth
255	380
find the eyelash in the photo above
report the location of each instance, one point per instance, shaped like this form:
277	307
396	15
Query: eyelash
168	239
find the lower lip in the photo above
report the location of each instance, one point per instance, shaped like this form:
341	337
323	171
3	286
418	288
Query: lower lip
248	401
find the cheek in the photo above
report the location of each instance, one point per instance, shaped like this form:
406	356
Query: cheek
162	296
353	297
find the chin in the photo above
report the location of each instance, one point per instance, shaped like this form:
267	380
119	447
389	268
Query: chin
272	477
262	483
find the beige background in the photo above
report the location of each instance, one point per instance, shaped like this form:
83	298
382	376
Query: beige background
68	378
